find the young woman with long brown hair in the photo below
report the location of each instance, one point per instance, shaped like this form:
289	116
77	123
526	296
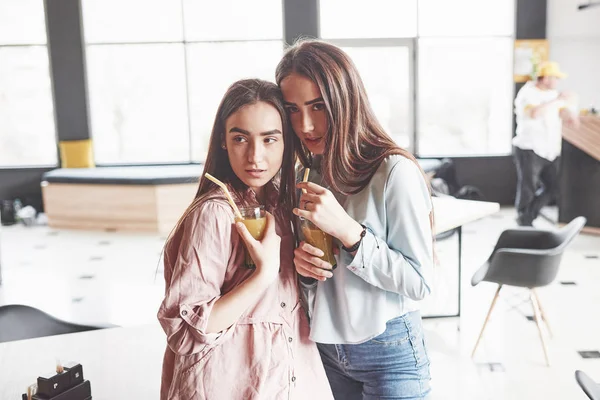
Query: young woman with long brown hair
235	332
371	196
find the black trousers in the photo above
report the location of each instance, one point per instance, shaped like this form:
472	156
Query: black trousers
537	184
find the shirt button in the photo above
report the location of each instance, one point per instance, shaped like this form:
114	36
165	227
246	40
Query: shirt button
293	379
290	339
184	313
282	305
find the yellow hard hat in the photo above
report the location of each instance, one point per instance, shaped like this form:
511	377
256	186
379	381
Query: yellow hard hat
550	68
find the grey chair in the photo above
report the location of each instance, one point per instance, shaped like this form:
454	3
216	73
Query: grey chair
18	322
529	258
591	388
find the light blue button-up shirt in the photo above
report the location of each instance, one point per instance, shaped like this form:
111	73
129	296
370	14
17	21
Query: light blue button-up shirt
393	266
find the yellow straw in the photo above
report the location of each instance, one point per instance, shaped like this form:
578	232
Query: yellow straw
236	210
305	179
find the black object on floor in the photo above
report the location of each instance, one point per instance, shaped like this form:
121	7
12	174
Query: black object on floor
65	385
493	366
7	213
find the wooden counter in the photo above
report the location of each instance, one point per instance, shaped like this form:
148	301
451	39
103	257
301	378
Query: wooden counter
580	173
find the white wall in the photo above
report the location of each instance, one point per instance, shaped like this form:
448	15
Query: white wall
574	38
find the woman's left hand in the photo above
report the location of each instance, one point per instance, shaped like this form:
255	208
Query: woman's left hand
321	207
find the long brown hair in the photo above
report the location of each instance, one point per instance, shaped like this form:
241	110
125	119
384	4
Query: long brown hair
356	142
240	94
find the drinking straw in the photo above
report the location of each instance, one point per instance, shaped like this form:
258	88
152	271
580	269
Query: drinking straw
227	194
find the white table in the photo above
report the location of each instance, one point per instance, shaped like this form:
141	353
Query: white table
120	363
451	213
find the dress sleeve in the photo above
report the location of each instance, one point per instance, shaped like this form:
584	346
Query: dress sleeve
198	273
403	261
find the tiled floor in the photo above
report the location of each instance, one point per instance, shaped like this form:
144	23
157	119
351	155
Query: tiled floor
109	277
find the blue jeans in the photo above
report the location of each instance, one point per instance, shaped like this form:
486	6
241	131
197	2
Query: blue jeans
393	365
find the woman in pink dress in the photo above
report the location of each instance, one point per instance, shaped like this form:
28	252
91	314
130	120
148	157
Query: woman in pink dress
235	332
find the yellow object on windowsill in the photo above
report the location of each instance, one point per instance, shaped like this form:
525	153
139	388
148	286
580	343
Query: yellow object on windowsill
77	154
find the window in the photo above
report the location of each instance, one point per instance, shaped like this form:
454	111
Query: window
136	81
228	41
138	103
438	73
233	20
155	82
464	98
344	19
212	68
443	18
132	21
27	128
385	71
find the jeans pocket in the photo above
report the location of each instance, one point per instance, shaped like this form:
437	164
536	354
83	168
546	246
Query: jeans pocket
420	354
397	332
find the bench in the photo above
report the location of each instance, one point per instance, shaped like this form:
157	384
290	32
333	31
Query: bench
129	198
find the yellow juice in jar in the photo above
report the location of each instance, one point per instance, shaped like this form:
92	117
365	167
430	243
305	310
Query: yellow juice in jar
322	241
256	227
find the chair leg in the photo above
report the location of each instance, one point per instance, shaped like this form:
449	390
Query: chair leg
539	326
487	318
544	317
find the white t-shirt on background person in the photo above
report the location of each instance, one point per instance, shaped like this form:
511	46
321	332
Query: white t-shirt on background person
543	135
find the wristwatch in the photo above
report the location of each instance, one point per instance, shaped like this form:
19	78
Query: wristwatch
356	245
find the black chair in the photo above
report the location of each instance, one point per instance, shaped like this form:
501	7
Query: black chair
18	322
591	388
529	258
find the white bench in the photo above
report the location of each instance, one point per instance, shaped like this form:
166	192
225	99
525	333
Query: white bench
130	198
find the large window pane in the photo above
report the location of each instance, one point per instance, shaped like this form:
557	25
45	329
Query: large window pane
368	19
386	75
138	103
212	68
466	17
27	131
233	20
22	22
465	99
132	21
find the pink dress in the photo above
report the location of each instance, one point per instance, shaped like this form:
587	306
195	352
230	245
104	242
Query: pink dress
266	354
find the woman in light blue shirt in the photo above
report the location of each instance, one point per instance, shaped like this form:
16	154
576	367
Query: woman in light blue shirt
371	196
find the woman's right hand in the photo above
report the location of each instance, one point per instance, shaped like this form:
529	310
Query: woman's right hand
265	252
308	263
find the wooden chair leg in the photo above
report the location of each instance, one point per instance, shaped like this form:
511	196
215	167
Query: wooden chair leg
544	317
536	314
487	318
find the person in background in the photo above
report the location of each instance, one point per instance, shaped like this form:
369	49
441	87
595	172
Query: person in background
540	110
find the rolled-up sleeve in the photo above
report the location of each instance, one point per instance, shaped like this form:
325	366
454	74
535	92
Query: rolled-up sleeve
197	273
403	262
